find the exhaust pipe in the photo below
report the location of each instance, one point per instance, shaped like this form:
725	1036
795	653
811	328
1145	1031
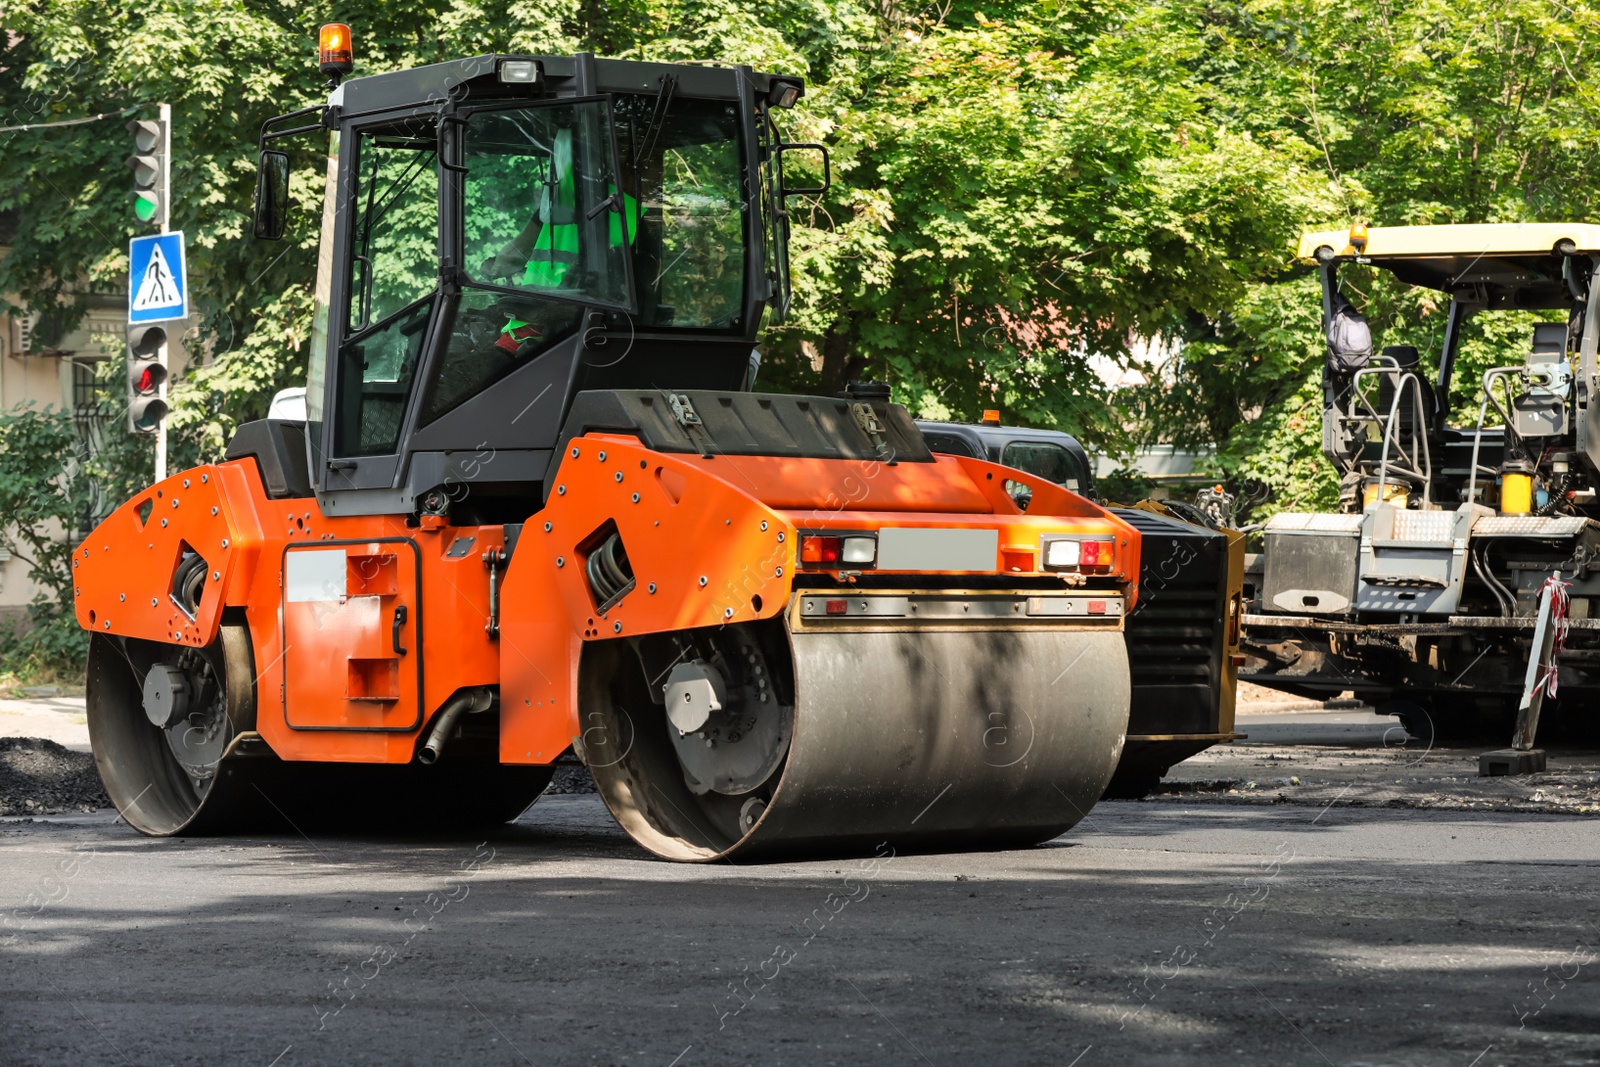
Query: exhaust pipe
466	702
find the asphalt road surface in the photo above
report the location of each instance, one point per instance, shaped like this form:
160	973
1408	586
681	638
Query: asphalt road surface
1153	933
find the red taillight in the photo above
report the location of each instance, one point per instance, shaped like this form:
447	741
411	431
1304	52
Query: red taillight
1097	554
814	549
837	607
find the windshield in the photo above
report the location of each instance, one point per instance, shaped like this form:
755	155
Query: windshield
1044	460
552	221
543	210
682	165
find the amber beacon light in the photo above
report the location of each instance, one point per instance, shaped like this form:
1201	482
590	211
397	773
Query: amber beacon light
334	56
1358	236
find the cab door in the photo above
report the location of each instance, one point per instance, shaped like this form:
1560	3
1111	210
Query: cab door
389	270
352	621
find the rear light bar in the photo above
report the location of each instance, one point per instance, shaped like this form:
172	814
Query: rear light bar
975	608
834	550
1090	555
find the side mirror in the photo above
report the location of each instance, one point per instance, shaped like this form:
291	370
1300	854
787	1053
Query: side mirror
784	189
272	195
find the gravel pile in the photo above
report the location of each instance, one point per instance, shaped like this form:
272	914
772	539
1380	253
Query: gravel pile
1375	777
39	777
571	778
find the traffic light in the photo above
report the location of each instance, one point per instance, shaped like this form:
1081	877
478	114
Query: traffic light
149	166
147	373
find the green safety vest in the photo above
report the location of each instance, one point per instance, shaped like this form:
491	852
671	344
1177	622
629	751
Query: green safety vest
556	248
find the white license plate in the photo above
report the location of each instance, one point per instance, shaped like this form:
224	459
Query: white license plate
935	549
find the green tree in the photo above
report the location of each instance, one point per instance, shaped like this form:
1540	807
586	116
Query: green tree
1018	189
50	488
1018	196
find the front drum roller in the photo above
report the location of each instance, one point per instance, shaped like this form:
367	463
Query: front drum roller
167	725
754	742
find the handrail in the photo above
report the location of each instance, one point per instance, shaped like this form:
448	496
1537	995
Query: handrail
1483	410
1426	467
1409	465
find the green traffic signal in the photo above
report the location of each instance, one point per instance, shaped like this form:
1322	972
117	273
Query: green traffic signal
148	163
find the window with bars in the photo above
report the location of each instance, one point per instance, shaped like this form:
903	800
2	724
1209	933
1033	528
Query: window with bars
92	396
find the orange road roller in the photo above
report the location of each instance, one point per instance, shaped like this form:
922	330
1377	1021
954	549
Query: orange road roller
536	510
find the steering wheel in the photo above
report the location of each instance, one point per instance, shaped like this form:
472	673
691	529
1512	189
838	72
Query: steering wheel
498	269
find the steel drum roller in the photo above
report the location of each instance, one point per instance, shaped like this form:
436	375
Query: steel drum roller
923	738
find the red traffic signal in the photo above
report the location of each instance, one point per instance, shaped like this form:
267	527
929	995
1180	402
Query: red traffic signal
147	373
148	379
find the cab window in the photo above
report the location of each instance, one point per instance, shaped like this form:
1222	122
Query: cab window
395	245
546	228
682	166
1044	460
950	444
543	210
393	271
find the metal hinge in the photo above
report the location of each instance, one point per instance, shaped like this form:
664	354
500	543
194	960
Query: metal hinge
495	560
683	410
867	419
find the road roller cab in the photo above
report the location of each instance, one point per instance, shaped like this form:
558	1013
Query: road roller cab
535	510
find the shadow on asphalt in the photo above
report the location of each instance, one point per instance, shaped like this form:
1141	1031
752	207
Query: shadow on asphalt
558	941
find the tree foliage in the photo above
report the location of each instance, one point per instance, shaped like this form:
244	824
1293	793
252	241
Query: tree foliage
1022	192
48	491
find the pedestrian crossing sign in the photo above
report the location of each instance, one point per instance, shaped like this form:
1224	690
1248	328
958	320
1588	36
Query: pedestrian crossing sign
158	284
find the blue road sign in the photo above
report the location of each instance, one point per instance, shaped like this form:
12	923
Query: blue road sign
158	283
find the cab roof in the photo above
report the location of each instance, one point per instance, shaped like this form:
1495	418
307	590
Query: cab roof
1518	264
424	85
1455	242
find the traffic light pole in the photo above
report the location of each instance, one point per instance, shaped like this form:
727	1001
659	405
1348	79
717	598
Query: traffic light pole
166	197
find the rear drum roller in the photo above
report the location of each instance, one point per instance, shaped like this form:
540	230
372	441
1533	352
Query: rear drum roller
752	741
161	718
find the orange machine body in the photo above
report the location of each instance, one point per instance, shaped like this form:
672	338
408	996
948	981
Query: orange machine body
363	627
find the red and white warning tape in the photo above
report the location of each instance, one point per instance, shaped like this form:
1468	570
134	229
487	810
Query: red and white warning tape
1560	606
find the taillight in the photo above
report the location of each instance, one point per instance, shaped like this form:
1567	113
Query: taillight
861	550
823	550
1081	554
819	550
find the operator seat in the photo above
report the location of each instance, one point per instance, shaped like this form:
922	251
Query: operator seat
1415	412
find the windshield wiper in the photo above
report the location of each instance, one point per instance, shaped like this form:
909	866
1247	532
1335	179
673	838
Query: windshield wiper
646	145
